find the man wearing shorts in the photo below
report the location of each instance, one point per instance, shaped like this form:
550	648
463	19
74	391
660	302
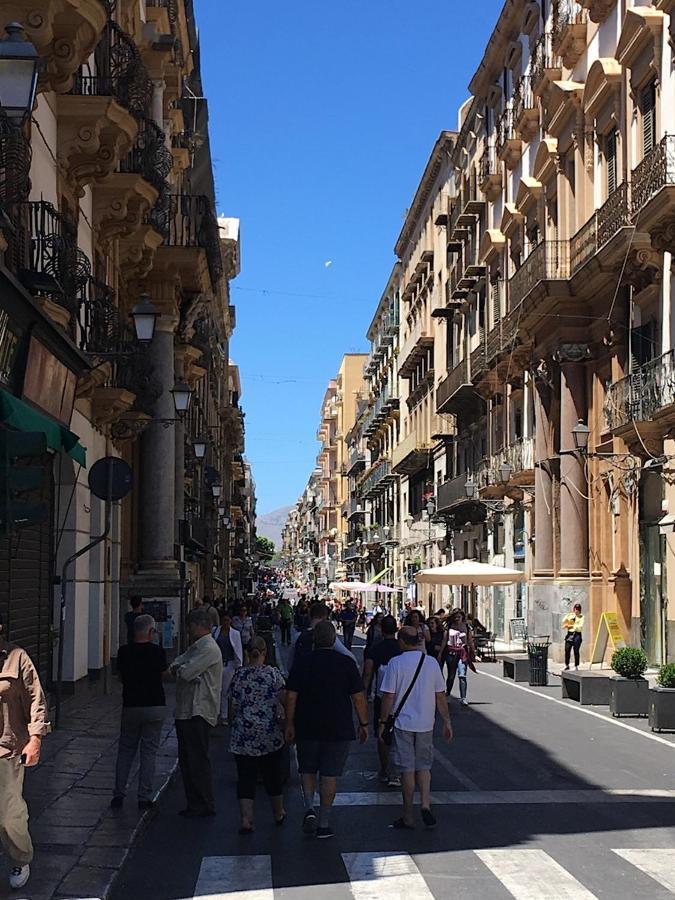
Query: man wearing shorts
321	689
413	746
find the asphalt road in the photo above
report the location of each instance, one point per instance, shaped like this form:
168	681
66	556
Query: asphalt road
535	800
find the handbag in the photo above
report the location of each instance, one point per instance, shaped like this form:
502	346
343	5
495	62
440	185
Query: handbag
388	729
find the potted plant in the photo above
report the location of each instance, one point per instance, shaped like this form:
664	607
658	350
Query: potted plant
662	700
629	691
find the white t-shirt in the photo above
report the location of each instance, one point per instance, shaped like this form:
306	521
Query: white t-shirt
419	711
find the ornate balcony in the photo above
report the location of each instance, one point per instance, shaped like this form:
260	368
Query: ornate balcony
569	31
418	342
410	455
545	67
519	456
489	173
42	251
456	394
548	262
604	224
65	32
192	242
509	144
653	194
646	396
525	111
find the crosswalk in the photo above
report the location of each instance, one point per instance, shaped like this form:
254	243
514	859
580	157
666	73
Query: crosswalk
522	873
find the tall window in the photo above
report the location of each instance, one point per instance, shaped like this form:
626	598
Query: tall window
611	162
648	114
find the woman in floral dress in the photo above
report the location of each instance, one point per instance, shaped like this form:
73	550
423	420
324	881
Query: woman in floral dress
257	739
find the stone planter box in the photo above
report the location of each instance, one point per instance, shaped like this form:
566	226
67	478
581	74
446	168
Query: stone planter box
629	696
662	709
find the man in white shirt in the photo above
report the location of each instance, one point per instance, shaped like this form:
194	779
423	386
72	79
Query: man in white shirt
413	746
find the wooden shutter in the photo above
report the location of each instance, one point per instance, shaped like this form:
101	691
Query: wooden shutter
610	159
495	289
648	110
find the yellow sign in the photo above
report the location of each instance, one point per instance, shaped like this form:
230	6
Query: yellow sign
609	632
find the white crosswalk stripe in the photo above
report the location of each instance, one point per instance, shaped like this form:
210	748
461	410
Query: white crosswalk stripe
391	875
533	875
235	878
658	864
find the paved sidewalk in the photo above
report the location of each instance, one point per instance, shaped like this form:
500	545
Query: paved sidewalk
80	842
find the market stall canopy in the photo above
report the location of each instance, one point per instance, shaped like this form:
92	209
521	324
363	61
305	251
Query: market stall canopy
470	573
19	415
361	587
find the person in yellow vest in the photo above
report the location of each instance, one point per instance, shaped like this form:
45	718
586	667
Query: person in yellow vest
573	625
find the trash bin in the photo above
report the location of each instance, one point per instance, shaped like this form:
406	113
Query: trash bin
537	650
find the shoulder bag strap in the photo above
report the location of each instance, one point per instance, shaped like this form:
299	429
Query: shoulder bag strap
410	686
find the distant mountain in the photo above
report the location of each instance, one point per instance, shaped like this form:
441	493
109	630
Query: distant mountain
271	524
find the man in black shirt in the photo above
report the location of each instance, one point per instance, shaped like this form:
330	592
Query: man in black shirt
140	666
136	604
320	692
377	659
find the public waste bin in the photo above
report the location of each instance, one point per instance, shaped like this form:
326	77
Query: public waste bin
537	650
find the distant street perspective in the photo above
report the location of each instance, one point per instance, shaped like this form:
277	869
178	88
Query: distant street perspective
337	450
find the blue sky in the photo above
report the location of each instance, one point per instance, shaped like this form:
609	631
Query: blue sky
323	115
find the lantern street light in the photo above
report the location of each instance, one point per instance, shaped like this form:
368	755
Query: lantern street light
145	317
182	395
581	434
19	72
199	446
216	490
470	489
505	472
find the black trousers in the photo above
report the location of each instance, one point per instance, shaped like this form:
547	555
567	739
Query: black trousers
285	632
348	629
269	767
195	764
572	642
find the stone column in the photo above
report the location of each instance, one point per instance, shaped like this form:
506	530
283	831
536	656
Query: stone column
573	482
158	87
666	317
543	497
158	460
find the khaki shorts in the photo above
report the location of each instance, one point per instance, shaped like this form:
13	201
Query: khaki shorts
413	751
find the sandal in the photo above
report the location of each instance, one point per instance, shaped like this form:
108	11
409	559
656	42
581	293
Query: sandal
402	825
280	822
428	818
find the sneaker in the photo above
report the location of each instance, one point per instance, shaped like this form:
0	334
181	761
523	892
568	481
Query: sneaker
394	782
117	803
309	822
567	668
325	833
19	876
465	702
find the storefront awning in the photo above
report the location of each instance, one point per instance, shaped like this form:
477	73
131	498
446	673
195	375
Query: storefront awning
379	575
17	414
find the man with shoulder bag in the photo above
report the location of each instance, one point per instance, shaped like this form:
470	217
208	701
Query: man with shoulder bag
413	691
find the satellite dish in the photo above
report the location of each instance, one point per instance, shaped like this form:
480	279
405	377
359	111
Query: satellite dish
110	478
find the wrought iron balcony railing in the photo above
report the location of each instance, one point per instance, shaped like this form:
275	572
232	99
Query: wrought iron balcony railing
605	222
543	59
15	163
656	171
378	477
549	261
120	73
192	223
641	395
149	156
489	165
44	254
102	329
523	99
452	492
506	130
171	6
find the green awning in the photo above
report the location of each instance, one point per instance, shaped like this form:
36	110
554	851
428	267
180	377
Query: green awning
20	415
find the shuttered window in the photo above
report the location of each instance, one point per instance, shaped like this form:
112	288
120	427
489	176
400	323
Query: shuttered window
611	162
648	111
495	289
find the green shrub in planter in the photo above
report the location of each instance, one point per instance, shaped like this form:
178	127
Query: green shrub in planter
666	676
630	662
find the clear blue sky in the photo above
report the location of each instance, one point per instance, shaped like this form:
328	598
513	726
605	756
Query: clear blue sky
323	115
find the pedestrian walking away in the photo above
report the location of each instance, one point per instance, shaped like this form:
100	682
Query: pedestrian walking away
285	620
136	604
199	677
413	692
243	623
321	690
229	642
210	609
141	666
377	660
257	739
305	640
573	625
348	618
23	724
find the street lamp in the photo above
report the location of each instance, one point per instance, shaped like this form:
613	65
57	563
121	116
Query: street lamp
182	395
581	433
221	512
145	317
216	490
199	446
505	472
19	73
430	506
470	489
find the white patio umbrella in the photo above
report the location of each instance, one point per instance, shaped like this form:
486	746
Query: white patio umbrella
470	573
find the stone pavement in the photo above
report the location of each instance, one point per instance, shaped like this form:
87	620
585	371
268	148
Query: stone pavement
80	843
